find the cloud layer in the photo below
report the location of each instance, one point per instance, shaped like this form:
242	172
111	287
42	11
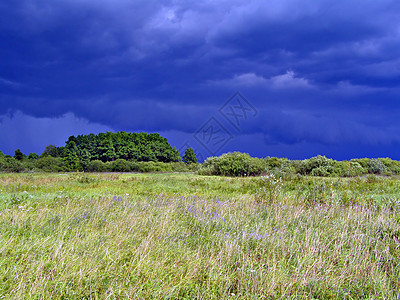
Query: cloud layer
319	73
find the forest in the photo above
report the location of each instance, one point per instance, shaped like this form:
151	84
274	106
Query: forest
121	151
143	152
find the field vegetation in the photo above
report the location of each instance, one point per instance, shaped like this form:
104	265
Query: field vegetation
187	236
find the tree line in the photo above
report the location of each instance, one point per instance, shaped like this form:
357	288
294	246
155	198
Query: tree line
121	151
142	152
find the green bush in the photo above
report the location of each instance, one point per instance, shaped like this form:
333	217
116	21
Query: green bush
348	169
376	166
286	169
28	164
322	165
233	164
10	164
97	166
151	166
120	165
273	163
209	166
50	164
392	166
320	171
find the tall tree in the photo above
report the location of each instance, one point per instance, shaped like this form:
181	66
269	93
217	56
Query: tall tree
189	156
33	156
71	158
50	150
18	155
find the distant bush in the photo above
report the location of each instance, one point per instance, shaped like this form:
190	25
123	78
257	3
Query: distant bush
97	166
50	164
233	164
392	166
10	164
320	171
376	166
28	165
317	166
152	166
348	169
286	168
119	165
273	163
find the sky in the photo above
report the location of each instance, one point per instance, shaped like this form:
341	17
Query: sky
284	78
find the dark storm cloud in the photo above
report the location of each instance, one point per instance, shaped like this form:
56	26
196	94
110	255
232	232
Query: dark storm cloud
322	73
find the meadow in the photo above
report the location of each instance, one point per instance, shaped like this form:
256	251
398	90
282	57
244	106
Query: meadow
186	236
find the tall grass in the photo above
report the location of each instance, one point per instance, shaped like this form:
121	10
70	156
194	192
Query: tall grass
182	236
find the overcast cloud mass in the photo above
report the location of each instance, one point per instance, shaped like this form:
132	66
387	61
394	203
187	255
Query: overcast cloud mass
318	77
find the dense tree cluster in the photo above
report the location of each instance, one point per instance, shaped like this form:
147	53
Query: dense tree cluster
121	151
121	145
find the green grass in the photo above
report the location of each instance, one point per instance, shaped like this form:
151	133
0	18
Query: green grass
184	236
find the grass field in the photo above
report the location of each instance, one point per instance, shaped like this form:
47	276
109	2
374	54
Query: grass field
184	236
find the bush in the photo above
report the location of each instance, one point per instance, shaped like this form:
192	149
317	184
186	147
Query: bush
209	166
392	166
320	171
151	166
120	165
273	163
322	165
10	164
28	165
50	164
348	169
376	166
286	169
233	164
97	166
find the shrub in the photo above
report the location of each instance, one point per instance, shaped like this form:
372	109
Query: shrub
209	167
97	166
120	165
348	169
286	169
10	164
273	162
50	164
320	171
392	166
321	163
151	166
233	164
376	166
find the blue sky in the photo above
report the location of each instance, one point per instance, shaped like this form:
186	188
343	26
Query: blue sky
314	77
